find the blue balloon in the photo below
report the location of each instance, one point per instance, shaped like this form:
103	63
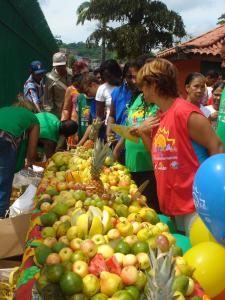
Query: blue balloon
209	195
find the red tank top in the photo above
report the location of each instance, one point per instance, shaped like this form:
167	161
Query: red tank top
174	159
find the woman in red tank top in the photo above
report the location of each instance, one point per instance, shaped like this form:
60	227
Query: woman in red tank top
181	140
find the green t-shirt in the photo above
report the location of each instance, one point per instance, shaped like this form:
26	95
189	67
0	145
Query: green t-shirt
137	157
16	120
83	111
49	126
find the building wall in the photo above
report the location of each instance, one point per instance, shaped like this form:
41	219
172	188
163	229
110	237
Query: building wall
184	68
25	36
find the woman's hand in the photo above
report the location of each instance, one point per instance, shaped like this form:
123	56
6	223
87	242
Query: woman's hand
213	116
134	131
148	125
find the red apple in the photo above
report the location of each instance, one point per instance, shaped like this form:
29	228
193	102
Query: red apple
53	259
64	240
65	254
136	226
131	239
61	186
80	267
75	243
129	275
119	257
89	248
106	251
143	260
98	239
129	260
45	206
113	234
50	241
78	255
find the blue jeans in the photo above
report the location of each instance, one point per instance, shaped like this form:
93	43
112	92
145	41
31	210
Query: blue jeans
7	167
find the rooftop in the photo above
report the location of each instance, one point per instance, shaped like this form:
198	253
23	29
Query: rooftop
206	44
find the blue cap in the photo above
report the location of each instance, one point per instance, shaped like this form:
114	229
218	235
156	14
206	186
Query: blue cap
36	67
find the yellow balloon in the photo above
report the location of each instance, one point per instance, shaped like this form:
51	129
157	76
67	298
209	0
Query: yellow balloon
208	259
199	232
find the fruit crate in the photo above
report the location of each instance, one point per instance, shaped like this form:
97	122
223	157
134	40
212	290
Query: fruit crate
8	278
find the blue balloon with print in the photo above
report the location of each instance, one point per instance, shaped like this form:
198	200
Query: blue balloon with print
209	195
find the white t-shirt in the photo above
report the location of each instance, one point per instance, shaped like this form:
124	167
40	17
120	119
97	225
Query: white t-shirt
104	95
212	110
206	111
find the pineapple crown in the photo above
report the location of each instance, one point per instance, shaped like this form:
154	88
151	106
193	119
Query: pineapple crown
99	155
160	278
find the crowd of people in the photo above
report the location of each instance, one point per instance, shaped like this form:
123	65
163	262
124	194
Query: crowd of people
175	133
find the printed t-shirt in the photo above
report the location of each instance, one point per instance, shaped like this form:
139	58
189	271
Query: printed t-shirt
137	158
175	160
83	111
49	126
16	120
104	95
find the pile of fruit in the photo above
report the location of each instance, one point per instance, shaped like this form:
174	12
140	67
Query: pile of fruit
99	239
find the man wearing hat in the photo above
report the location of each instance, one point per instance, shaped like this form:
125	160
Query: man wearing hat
33	87
57	82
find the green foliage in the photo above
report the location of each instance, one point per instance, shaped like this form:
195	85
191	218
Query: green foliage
144	25
85	50
221	20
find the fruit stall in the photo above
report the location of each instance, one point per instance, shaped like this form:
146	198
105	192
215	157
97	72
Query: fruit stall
92	236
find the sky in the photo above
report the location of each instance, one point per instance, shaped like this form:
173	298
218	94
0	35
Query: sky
199	16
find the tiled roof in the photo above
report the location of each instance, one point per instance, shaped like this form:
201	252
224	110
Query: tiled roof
208	43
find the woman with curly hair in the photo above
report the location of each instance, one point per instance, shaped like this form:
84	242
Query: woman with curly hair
179	140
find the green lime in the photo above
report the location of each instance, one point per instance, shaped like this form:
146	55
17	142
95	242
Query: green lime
99	296
122	295
133	291
122	210
48	219
58	246
48	232
140	247
122	247
54	272
41	253
70	283
60	209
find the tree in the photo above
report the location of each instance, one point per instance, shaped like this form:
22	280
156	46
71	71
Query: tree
144	25
221	20
83	13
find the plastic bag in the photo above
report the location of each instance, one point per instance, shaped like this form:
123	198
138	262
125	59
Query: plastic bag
26	177
25	203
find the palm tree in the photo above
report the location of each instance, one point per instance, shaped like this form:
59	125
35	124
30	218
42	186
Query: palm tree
221	20
83	14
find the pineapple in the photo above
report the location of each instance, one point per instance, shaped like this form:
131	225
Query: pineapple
100	152
95	127
160	278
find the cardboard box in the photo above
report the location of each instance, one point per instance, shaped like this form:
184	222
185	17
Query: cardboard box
13	232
